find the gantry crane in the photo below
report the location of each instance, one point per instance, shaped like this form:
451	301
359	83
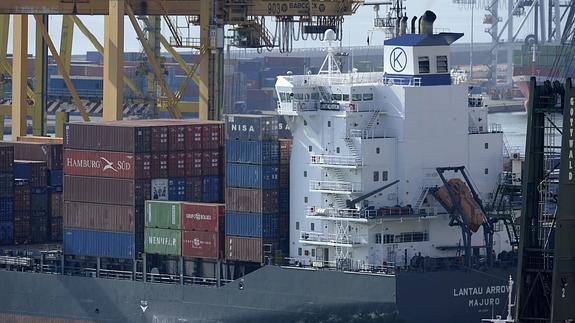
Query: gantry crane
245	16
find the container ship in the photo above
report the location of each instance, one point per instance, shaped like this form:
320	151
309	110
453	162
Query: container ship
375	208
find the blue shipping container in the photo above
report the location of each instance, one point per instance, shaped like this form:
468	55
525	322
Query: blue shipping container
252	152
177	189
40	201
251	176
6	208
211	189
6	184
98	243
56	178
251	127
6	232
252	225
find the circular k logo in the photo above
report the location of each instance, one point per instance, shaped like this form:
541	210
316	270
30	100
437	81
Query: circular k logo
398	59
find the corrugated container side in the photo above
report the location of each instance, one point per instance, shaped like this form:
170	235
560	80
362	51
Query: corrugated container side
49	153
6	209
163	241
212	136
100	217
34	171
40	200
193	137
177	164
106	190
285	147
244	249
39	227
98	243
159	165
177	189
22	227
159	139
163	214
56	229
203	217
251	127
55	177
251	200
197	244
194	187
283	175
22	195
177	138
252	152
21	318
193	164
252	225
106	164
6	232
122	138
211	190
211	163
56	204
6	184
283	200
251	176
284	130
6	159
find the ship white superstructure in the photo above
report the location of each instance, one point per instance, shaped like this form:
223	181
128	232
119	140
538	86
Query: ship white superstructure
354	133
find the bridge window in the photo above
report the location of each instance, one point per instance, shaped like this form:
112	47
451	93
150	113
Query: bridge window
336	97
388	238
315	96
356	97
376	176
310	148
312	226
285	97
423	64
378	238
384	175
441	64
299	251
367	96
345	97
412	237
486	171
313	252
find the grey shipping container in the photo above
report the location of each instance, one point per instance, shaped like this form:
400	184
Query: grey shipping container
103	217
243	249
106	190
107	137
252	200
251	127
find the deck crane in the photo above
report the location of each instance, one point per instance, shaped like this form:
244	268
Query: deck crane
246	17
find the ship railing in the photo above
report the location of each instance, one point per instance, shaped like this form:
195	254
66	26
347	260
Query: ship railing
16	261
332	239
409	82
336	160
335	79
352	214
492	128
335	187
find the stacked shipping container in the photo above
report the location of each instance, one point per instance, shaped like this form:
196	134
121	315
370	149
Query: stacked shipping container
38	190
252	218
285	147
6	195
191	230
111	169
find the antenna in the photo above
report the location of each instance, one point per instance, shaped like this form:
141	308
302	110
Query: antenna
330	65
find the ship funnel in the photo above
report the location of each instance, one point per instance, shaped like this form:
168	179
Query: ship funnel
426	22
403	26
413	24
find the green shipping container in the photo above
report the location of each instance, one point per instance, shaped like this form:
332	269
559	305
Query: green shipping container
163	214
163	241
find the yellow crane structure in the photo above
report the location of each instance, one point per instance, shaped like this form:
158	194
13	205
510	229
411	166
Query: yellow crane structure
246	18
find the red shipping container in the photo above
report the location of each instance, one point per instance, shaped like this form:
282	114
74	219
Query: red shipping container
177	138
213	136
244	249
106	164
203	217
177	164
194	187
193	137
106	190
193	164
211	162
22	226
159	167
197	244
160	138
